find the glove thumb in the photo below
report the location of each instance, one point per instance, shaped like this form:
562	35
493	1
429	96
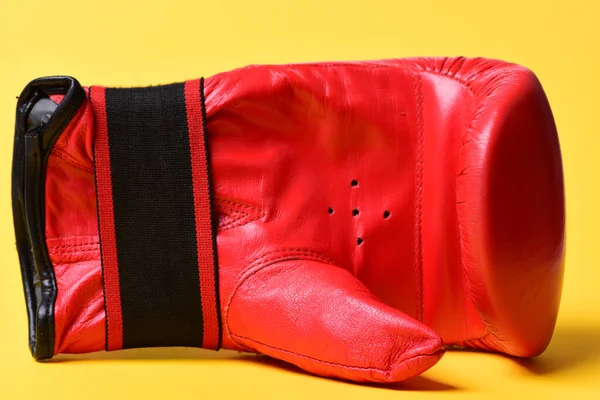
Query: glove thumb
322	319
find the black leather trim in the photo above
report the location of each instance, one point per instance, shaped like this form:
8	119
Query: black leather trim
32	145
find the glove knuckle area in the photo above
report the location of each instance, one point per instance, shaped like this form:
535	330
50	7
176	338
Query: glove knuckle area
511	213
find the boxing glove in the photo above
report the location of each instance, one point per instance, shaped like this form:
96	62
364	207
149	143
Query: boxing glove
331	215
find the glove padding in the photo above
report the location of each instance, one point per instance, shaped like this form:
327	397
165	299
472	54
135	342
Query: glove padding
350	203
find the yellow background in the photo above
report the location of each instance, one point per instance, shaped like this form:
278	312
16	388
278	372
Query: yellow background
120	42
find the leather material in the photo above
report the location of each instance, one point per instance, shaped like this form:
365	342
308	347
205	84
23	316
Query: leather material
357	203
34	141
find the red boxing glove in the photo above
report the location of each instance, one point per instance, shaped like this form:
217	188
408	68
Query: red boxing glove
330	215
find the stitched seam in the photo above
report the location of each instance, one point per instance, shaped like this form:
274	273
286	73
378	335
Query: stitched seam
228	219
315	254
469	128
409	67
323	65
65	246
464	83
219	201
285	257
383	371
71	237
75	251
66	157
418	269
239	222
238	219
463	272
240	214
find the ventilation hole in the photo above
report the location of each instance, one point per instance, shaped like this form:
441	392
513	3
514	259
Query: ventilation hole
354	183
355	212
330	210
386	214
359	241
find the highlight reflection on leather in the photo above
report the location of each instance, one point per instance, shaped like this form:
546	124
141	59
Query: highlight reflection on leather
364	209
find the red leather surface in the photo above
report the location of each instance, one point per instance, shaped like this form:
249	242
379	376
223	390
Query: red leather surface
354	200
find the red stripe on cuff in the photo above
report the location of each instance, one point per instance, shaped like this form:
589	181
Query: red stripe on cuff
108	242
202	210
